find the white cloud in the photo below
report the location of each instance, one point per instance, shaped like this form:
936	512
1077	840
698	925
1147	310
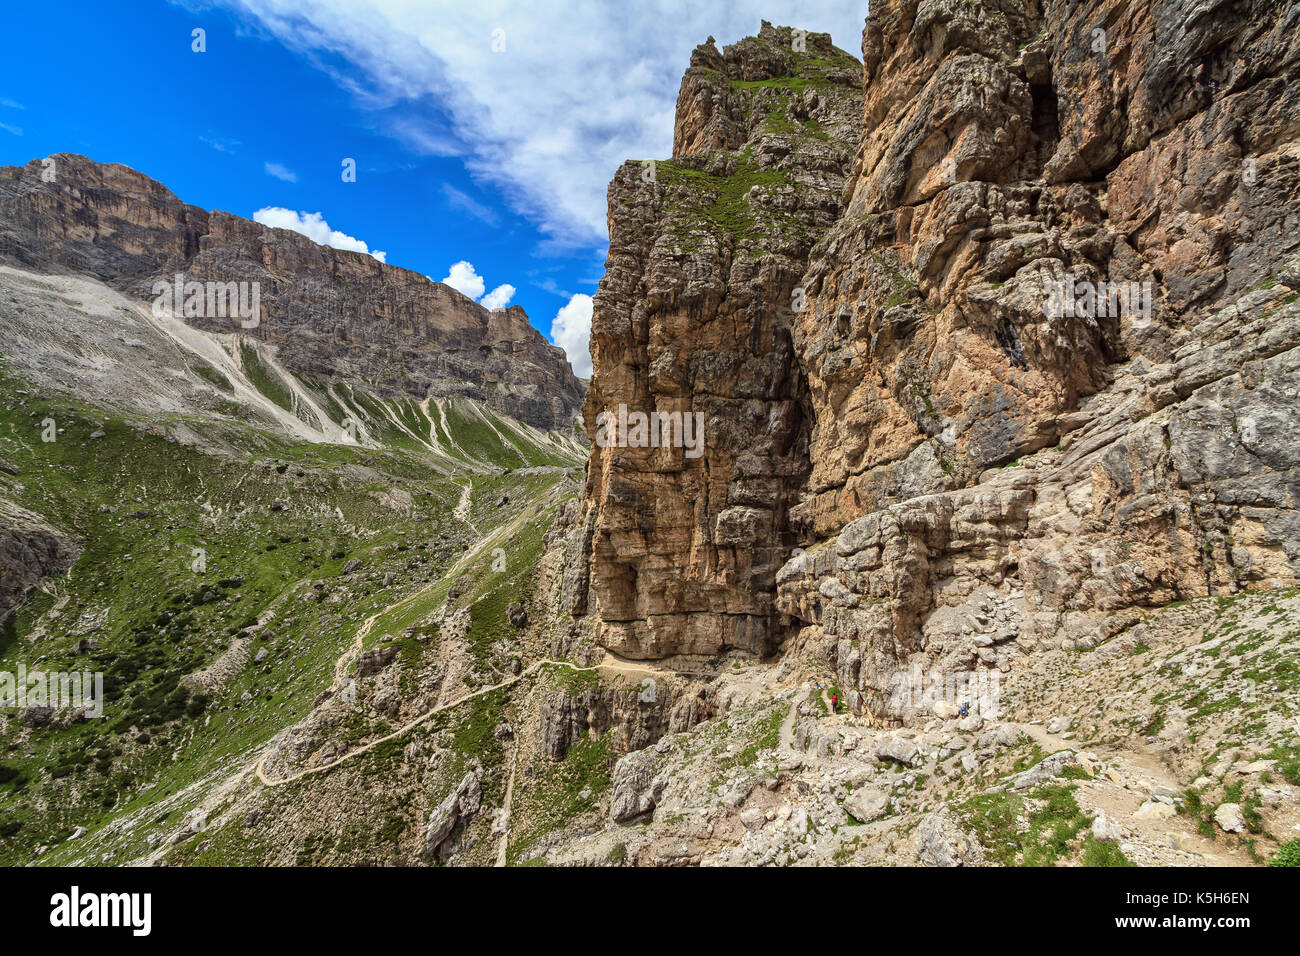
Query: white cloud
17	131
581	86
463	202
499	297
571	330
464	279
221	144
314	227
280	171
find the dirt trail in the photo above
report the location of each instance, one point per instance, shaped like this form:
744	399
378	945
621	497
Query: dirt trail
787	725
1118	797
463	506
506	806
610	663
413	723
1150	764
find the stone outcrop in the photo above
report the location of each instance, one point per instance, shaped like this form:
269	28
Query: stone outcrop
332	315
30	550
970	466
694	316
941	842
459	806
989	170
635	790
635	716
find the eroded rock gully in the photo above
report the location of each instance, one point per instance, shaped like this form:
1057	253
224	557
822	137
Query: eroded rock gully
971	475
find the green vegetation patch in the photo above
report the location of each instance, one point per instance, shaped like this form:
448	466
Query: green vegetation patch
1034	830
263	378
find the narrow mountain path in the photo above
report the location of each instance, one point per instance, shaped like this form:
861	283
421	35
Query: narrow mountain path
787	725
609	663
507	805
1138	758
1126	780
414	722
464	505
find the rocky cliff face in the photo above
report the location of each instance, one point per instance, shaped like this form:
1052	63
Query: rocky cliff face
695	316
30	550
1047	365
332	315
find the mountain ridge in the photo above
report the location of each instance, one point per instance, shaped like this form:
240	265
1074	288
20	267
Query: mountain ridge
334	314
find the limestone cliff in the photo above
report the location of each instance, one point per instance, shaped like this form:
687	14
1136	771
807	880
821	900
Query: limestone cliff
332	314
975	465
695	315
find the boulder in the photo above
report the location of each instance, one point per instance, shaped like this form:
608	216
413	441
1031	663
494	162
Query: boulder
900	749
458	806
1230	818
636	790
866	804
1045	770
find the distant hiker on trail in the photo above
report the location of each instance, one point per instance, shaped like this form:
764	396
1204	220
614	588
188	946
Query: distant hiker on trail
835	703
965	709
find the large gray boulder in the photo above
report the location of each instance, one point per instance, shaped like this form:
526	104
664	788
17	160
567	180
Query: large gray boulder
940	841
866	804
1047	769
461	804
636	789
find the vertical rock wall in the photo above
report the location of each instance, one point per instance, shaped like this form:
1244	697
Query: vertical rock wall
694	315
973	472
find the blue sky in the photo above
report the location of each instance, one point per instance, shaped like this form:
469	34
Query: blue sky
483	132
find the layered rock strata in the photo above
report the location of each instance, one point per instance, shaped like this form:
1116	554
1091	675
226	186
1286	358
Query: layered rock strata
1047	367
333	315
695	316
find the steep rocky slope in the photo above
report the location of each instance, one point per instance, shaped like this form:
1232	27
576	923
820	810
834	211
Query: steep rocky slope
934	430
1029	431
989	170
332	315
924	483
30	550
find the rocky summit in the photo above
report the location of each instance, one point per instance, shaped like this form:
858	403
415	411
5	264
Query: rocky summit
939	503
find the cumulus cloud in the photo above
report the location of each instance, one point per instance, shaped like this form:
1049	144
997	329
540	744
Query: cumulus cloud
499	297
571	331
280	171
314	227
577	87
464	279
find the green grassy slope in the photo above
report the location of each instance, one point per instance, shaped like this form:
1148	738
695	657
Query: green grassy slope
239	564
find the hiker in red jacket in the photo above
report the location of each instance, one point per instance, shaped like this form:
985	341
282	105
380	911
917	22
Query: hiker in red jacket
835	703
